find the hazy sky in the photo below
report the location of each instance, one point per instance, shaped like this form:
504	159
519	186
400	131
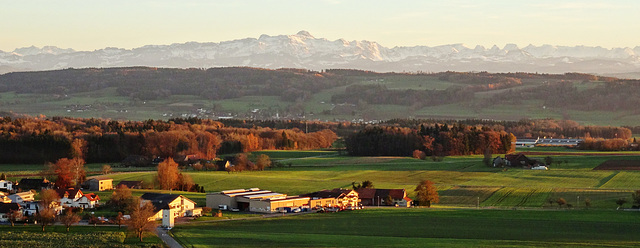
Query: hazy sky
90	25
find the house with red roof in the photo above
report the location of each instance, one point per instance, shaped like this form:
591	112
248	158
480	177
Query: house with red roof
76	199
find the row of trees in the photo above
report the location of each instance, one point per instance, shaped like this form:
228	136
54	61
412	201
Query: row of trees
33	140
438	140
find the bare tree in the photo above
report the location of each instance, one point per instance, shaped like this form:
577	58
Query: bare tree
46	213
14	215
119	219
140	222
45	216
69	219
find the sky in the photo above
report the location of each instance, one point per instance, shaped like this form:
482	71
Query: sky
87	25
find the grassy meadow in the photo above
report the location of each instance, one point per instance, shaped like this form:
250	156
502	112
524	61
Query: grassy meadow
461	181
396	227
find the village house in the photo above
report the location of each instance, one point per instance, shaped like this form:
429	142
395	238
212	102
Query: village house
340	198
35	184
384	197
179	205
76	199
6	185
131	184
22	197
95	184
5	208
31	208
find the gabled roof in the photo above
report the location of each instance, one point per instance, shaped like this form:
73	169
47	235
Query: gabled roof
161	201
38	183
334	193
92	197
70	193
6	207
368	193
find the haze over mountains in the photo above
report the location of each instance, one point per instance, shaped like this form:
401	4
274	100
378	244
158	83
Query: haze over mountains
303	50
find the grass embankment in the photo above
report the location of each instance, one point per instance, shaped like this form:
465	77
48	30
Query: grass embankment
422	228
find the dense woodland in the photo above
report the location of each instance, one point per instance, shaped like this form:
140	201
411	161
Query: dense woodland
31	140
433	140
143	83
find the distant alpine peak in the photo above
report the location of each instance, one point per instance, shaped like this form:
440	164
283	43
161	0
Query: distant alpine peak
305	34
303	50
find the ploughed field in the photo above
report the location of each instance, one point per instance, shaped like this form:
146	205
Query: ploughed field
397	227
615	164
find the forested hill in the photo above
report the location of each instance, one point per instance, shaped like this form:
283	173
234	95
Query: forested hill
145	83
140	93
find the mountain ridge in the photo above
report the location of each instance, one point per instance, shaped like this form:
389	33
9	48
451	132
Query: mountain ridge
303	50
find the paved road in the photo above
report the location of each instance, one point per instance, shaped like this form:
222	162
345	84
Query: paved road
167	239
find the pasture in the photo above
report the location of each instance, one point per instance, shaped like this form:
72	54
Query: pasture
461	181
394	227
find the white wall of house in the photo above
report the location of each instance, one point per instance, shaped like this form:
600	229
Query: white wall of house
6	185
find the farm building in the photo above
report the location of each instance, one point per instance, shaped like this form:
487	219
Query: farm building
37	184
95	184
525	142
180	205
254	200
131	184
272	205
389	197
517	160
342	198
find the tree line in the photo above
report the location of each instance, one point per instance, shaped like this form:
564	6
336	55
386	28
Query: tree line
33	140
433	140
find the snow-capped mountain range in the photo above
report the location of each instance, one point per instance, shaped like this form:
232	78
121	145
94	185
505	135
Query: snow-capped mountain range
302	50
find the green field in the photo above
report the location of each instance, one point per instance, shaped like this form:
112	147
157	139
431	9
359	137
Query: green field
106	103
78	236
462	181
422	228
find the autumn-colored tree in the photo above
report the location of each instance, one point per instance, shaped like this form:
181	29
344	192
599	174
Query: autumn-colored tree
427	193
45	216
168	174
561	202
263	161
119	220
49	198
70	172
78	148
14	215
121	198
106	169
69	219
240	162
185	182
419	154
139	222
